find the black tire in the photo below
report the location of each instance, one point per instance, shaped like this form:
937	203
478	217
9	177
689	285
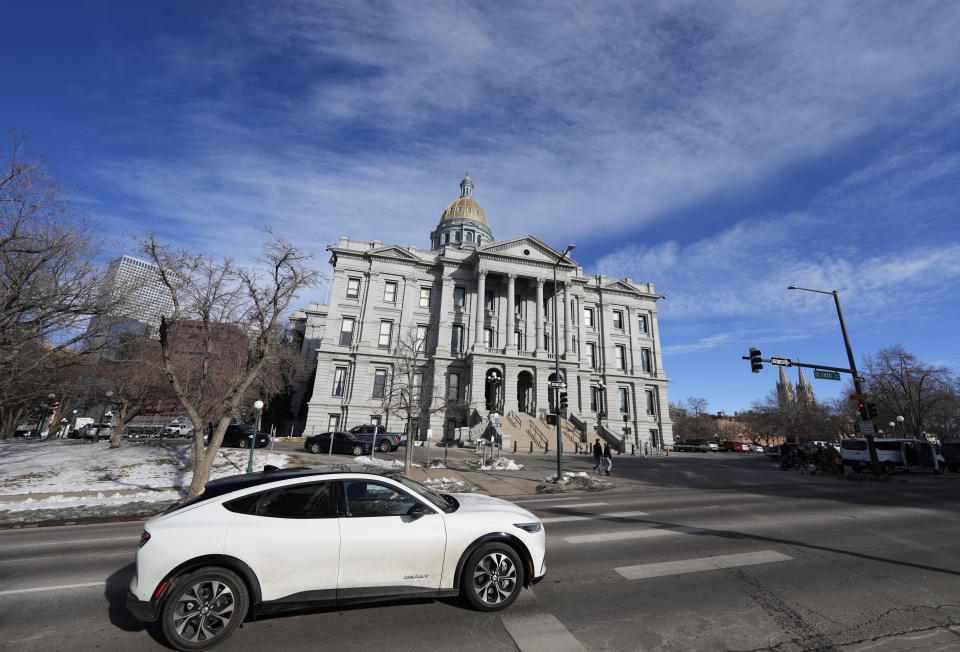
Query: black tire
384	446
242	443
314	448
888	468
204	608
492	577
357	451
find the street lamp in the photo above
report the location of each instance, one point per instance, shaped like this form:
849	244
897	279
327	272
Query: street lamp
857	383
258	405
900	421
602	400
556	364
96	435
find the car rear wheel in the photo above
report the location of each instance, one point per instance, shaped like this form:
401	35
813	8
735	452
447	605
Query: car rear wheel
888	468
492	577
204	608
242	443
357	450
384	446
314	448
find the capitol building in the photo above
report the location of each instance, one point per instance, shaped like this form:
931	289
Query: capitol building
475	315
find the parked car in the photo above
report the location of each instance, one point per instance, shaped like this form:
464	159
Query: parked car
691	445
385	441
950	451
177	430
756	448
343	442
712	446
238	434
205	565
892	454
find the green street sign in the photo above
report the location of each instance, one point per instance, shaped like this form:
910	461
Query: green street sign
826	375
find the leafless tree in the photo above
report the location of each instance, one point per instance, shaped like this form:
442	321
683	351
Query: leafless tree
412	393
49	282
901	385
218	299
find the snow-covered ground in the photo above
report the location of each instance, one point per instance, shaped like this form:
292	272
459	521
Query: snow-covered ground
580	481
497	464
68	466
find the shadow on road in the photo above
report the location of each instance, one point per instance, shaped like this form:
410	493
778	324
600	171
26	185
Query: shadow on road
116	594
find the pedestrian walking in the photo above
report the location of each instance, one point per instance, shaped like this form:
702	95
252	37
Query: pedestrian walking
607	458
597	455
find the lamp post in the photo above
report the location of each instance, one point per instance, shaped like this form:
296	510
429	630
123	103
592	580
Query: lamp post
96	435
258	405
556	365
602	400
902	429
857	384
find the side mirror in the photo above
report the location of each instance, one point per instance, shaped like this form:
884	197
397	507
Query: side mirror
418	510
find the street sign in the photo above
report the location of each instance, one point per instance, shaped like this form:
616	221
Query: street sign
858	397
859	379
826	375
781	362
559	384
866	428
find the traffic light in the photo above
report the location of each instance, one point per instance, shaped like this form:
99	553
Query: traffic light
563	400
755	362
872	410
864	412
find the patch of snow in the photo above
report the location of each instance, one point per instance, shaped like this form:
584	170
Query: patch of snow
381	462
496	464
581	481
450	485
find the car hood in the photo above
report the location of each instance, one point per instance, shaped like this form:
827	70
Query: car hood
481	503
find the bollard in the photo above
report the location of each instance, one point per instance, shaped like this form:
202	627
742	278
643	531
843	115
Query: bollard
633	449
514	447
546	448
531	448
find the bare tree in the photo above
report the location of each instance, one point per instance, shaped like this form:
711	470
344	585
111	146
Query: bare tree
412	393
235	336
49	284
904	386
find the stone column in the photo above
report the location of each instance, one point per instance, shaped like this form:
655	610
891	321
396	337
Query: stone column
443	322
481	298
566	319
511	291
539	315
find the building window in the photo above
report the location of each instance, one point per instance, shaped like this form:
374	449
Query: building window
417	385
624	401
379	383
469	236
573	343
488	301
518	306
424	297
618	319
642	323
459	297
377	420
390	292
346	331
547	343
353	288
453	387
592	354
518	340
588	317
650	404
333	423
645	360
456	236
421	343
621	356
446	238
594	398
478	240
456	339
339	380
488	337
386	333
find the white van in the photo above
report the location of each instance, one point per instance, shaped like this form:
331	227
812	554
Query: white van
892	453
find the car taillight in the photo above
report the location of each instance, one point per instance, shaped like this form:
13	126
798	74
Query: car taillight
144	538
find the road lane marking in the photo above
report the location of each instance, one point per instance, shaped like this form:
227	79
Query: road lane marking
62	587
572	505
540	632
662	569
646	533
564	519
130	538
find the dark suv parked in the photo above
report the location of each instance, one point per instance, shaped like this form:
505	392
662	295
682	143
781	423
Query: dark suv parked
238	434
951	453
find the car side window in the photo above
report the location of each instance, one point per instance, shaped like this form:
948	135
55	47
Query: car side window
365	498
316	500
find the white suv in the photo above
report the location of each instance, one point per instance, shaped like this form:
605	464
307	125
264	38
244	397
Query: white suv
236	548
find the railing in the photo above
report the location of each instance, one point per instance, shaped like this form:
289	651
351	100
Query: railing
610	436
514	419
580	424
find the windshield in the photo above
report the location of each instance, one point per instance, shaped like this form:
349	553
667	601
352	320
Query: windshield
446	502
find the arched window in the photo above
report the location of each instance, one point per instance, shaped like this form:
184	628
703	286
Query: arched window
446	237
478	240
456	236
469	236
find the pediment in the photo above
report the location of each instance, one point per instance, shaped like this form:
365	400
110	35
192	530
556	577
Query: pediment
395	252
525	248
621	286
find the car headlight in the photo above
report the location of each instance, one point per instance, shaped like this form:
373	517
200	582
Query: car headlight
532	528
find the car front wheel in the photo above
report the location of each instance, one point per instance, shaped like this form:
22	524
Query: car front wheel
492	577
242	443
384	446
357	451
204	608
314	448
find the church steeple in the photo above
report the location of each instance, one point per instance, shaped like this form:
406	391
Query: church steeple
466	186
785	395
804	389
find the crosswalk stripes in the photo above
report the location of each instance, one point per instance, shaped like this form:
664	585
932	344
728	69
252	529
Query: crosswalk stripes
565	519
682	566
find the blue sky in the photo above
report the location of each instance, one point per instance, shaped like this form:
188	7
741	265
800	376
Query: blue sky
720	150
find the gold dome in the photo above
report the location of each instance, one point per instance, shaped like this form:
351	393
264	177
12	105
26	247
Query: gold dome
464	208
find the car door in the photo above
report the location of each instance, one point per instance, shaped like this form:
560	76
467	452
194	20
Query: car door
290	537
383	550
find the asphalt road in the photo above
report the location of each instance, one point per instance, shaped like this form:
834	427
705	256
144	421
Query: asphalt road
718	552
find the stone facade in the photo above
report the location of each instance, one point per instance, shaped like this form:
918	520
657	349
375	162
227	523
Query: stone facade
488	311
